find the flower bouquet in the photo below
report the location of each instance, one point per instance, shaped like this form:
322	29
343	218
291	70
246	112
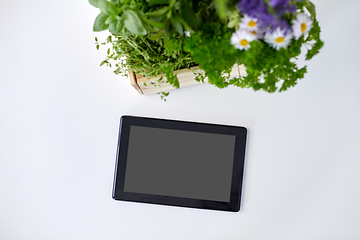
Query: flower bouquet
159	37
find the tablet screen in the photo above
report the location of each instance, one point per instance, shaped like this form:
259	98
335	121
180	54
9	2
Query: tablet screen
179	163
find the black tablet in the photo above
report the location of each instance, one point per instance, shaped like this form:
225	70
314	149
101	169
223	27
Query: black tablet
179	163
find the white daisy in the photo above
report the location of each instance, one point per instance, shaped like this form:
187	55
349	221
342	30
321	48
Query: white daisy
279	38
301	25
241	39
248	23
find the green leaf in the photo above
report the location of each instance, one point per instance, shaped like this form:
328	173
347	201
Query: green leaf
159	13
221	8
188	15
315	49
133	23
186	26
156	2
110	19
172	2
158	25
315	35
115	26
108	8
100	24
168	43
154	37
177	26
310	7
103	62
141	15
95	3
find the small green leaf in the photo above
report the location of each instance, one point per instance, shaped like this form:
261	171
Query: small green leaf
110	19
310	7
158	25
156	2
154	37
103	62
143	18
177	26
100	24
168	43
172	2
97	46
95	3
115	27
221	8
186	26
133	23
108	8
188	15
159	13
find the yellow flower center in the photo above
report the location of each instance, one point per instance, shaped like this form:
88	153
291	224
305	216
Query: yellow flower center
303	27
279	39
253	32
244	42
252	23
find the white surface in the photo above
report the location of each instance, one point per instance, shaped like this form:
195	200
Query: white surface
59	116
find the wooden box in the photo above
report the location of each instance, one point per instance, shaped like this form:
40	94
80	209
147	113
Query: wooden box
146	85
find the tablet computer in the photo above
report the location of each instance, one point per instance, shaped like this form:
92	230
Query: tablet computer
178	163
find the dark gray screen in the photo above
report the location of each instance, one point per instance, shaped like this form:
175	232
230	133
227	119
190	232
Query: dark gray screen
179	163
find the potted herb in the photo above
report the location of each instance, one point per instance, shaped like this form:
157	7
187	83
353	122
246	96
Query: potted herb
155	39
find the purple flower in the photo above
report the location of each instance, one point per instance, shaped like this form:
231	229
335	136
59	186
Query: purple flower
259	9
253	7
282	6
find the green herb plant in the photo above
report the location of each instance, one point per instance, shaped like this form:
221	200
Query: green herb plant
152	37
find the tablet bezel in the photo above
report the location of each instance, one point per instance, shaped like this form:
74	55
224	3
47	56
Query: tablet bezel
238	166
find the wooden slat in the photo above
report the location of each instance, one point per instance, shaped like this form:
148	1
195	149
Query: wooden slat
186	78
133	82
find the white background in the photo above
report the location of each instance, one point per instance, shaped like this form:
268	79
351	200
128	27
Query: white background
59	117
